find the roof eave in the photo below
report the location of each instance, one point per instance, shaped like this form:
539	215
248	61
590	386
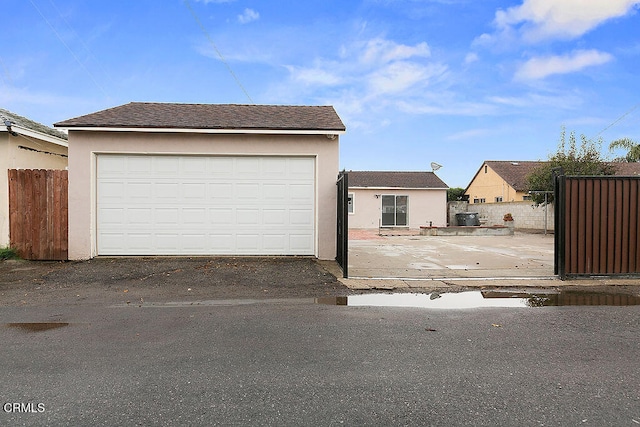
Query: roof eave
397	188
328	132
39	135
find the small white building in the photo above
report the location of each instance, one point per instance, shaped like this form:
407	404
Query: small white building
396	199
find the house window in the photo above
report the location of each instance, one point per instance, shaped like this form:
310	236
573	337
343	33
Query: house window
498	199
350	199
527	198
394	210
482	200
485	168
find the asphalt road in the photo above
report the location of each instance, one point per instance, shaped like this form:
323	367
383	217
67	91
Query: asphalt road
294	362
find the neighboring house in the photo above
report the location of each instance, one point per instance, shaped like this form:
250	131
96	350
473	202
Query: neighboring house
500	181
203	179
506	181
25	144
396	199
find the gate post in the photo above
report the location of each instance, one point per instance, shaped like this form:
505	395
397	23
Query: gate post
559	188
342	246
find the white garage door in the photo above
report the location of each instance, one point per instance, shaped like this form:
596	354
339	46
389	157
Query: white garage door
205	205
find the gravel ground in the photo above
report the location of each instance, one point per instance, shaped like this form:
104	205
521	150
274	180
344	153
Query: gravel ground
132	280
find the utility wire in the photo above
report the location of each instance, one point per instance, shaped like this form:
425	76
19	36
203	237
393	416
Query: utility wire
84	45
69	49
206	33
617	120
6	72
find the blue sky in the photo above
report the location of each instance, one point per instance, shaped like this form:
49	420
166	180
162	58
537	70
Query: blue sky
455	82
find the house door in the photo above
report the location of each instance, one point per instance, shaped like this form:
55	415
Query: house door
394	210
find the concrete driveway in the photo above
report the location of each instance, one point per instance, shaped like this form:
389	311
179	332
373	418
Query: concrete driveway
526	256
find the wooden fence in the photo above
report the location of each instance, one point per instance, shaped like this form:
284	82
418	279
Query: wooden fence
38	213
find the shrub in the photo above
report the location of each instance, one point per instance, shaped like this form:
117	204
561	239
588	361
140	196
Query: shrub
8	253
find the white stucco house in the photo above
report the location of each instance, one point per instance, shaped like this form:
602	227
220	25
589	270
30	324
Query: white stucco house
396	199
25	144
203	179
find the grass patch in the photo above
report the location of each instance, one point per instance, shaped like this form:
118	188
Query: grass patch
8	253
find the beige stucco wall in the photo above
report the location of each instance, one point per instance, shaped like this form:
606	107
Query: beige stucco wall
423	206
13	157
489	185
84	145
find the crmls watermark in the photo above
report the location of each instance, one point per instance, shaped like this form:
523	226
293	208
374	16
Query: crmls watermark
23	408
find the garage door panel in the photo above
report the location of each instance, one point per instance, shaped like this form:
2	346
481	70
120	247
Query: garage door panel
275	167
275	217
168	216
299	242
219	190
138	165
181	205
219	243
248	242
301	217
247	191
221	216
166	190
301	193
274	242
248	216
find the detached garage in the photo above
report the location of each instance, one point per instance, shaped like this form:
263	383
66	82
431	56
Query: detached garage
203	179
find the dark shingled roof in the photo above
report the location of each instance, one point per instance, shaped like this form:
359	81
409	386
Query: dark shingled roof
514	172
29	124
211	116
626	169
395	179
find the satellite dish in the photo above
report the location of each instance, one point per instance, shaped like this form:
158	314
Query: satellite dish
435	166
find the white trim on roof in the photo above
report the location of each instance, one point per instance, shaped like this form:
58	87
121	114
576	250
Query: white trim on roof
398	188
39	135
329	133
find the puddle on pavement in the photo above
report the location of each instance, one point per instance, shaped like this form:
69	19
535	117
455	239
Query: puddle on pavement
36	326
479	299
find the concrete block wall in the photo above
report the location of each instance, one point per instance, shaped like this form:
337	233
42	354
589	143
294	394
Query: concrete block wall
526	215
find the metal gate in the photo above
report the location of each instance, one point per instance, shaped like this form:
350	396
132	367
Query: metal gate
342	246
597	226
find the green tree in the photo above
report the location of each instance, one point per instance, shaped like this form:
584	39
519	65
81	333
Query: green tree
455	194
632	148
571	159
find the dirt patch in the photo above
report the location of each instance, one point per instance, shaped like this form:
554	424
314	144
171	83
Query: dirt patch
121	280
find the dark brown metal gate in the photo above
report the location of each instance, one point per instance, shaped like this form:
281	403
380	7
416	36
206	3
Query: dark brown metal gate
342	244
597	226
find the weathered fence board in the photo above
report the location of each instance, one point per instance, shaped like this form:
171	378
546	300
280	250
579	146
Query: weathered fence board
38	213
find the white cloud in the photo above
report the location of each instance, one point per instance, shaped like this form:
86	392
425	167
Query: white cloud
215	1
248	15
541	67
401	76
375	66
383	51
369	79
566	19
314	76
471	58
